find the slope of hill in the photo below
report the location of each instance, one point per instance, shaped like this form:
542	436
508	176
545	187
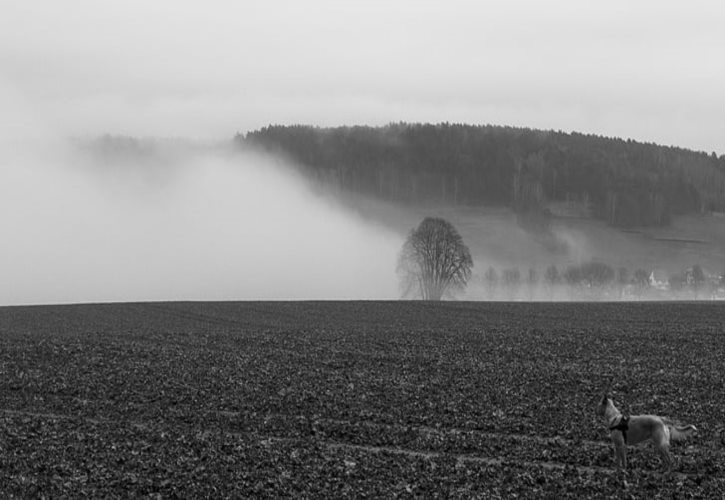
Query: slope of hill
497	240
622	182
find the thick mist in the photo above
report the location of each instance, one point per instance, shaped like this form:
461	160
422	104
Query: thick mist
193	222
178	223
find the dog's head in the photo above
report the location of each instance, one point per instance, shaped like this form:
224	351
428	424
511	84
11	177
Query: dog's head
603	404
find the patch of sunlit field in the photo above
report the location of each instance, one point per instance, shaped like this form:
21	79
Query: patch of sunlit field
377	399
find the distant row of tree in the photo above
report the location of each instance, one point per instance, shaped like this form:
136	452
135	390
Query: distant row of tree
594	279
624	182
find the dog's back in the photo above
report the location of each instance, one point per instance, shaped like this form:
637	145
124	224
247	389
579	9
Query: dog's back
644	427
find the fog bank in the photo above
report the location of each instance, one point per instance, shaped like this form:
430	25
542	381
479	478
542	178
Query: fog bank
177	224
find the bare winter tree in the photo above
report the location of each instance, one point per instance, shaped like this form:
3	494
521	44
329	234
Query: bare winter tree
434	261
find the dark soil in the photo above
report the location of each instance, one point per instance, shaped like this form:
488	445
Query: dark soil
363	399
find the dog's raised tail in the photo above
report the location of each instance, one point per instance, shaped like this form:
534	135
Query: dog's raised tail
681	432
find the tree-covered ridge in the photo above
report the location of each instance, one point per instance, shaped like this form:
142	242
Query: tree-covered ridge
624	182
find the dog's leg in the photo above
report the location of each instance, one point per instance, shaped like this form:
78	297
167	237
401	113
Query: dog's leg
661	439
667	460
620	450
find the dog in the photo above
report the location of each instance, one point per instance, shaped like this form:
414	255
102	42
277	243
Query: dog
632	430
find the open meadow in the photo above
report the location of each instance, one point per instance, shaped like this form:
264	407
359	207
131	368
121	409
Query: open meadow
368	399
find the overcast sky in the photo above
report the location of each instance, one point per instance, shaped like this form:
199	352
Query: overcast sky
648	70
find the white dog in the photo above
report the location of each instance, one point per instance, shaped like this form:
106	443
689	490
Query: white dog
638	428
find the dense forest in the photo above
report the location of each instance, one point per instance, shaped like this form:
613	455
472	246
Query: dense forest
537	173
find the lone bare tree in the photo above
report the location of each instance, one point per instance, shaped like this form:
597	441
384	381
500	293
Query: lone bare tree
434	261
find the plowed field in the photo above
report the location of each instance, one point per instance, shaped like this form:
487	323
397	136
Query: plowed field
364	399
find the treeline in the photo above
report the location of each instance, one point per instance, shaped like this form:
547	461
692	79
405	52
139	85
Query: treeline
596	281
624	182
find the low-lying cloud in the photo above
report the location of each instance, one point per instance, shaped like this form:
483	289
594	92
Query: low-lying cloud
200	223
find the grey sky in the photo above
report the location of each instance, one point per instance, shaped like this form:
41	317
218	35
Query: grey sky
643	69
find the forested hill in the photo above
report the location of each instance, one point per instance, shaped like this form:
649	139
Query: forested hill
624	182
